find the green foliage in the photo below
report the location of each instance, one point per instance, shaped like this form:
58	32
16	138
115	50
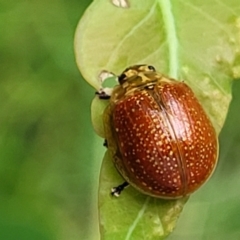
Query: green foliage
49	156
195	42
47	178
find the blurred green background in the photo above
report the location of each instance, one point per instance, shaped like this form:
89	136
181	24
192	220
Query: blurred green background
50	157
48	185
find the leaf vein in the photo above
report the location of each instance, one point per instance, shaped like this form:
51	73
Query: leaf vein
154	52
226	7
206	15
137	219
115	52
169	21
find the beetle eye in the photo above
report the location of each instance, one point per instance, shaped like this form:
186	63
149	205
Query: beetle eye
121	78
152	68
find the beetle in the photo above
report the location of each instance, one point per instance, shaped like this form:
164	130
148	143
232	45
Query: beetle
160	138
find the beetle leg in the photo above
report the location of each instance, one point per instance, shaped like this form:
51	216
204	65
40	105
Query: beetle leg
116	191
102	95
105	143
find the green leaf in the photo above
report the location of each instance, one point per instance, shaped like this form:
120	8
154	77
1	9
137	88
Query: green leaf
98	106
195	42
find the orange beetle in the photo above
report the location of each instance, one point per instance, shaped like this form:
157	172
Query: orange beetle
161	140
